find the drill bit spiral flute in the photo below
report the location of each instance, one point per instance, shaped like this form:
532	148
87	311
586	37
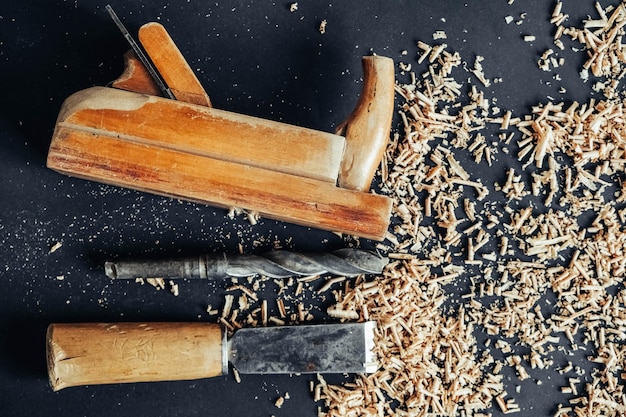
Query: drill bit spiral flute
275	264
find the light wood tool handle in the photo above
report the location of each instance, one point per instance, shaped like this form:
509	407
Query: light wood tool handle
171	64
136	77
105	353
368	127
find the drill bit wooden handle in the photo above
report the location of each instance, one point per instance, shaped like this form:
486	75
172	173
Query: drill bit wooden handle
275	264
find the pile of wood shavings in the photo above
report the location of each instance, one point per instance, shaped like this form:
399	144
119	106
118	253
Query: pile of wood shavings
549	246
429	361
290	302
429	358
579	262
602	38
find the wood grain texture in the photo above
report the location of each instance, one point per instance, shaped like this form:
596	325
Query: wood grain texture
368	127
205	131
171	64
103	353
136	77
110	159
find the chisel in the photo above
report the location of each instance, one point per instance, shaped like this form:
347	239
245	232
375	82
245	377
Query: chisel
109	353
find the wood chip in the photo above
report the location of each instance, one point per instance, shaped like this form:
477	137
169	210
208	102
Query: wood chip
55	247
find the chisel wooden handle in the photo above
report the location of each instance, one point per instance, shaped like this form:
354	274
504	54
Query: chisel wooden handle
104	353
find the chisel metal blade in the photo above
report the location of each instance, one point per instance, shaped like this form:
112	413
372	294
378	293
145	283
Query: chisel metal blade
326	348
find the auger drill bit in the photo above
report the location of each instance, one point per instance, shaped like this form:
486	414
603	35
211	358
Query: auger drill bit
275	264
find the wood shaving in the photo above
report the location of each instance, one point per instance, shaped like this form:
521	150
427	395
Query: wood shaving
440	34
174	288
322	27
236	376
279	402
55	247
158	283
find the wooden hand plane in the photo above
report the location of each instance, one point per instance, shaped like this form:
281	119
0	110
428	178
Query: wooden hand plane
127	135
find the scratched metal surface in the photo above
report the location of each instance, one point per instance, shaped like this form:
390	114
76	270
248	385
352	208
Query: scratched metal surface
252	57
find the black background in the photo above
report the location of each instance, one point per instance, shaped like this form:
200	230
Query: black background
252	57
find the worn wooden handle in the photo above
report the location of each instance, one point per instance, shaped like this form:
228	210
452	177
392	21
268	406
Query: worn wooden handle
171	64
136	77
105	353
368	127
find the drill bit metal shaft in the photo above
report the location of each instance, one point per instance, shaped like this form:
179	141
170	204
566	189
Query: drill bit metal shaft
275	264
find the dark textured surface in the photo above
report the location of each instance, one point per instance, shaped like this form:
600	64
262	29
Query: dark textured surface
252	57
